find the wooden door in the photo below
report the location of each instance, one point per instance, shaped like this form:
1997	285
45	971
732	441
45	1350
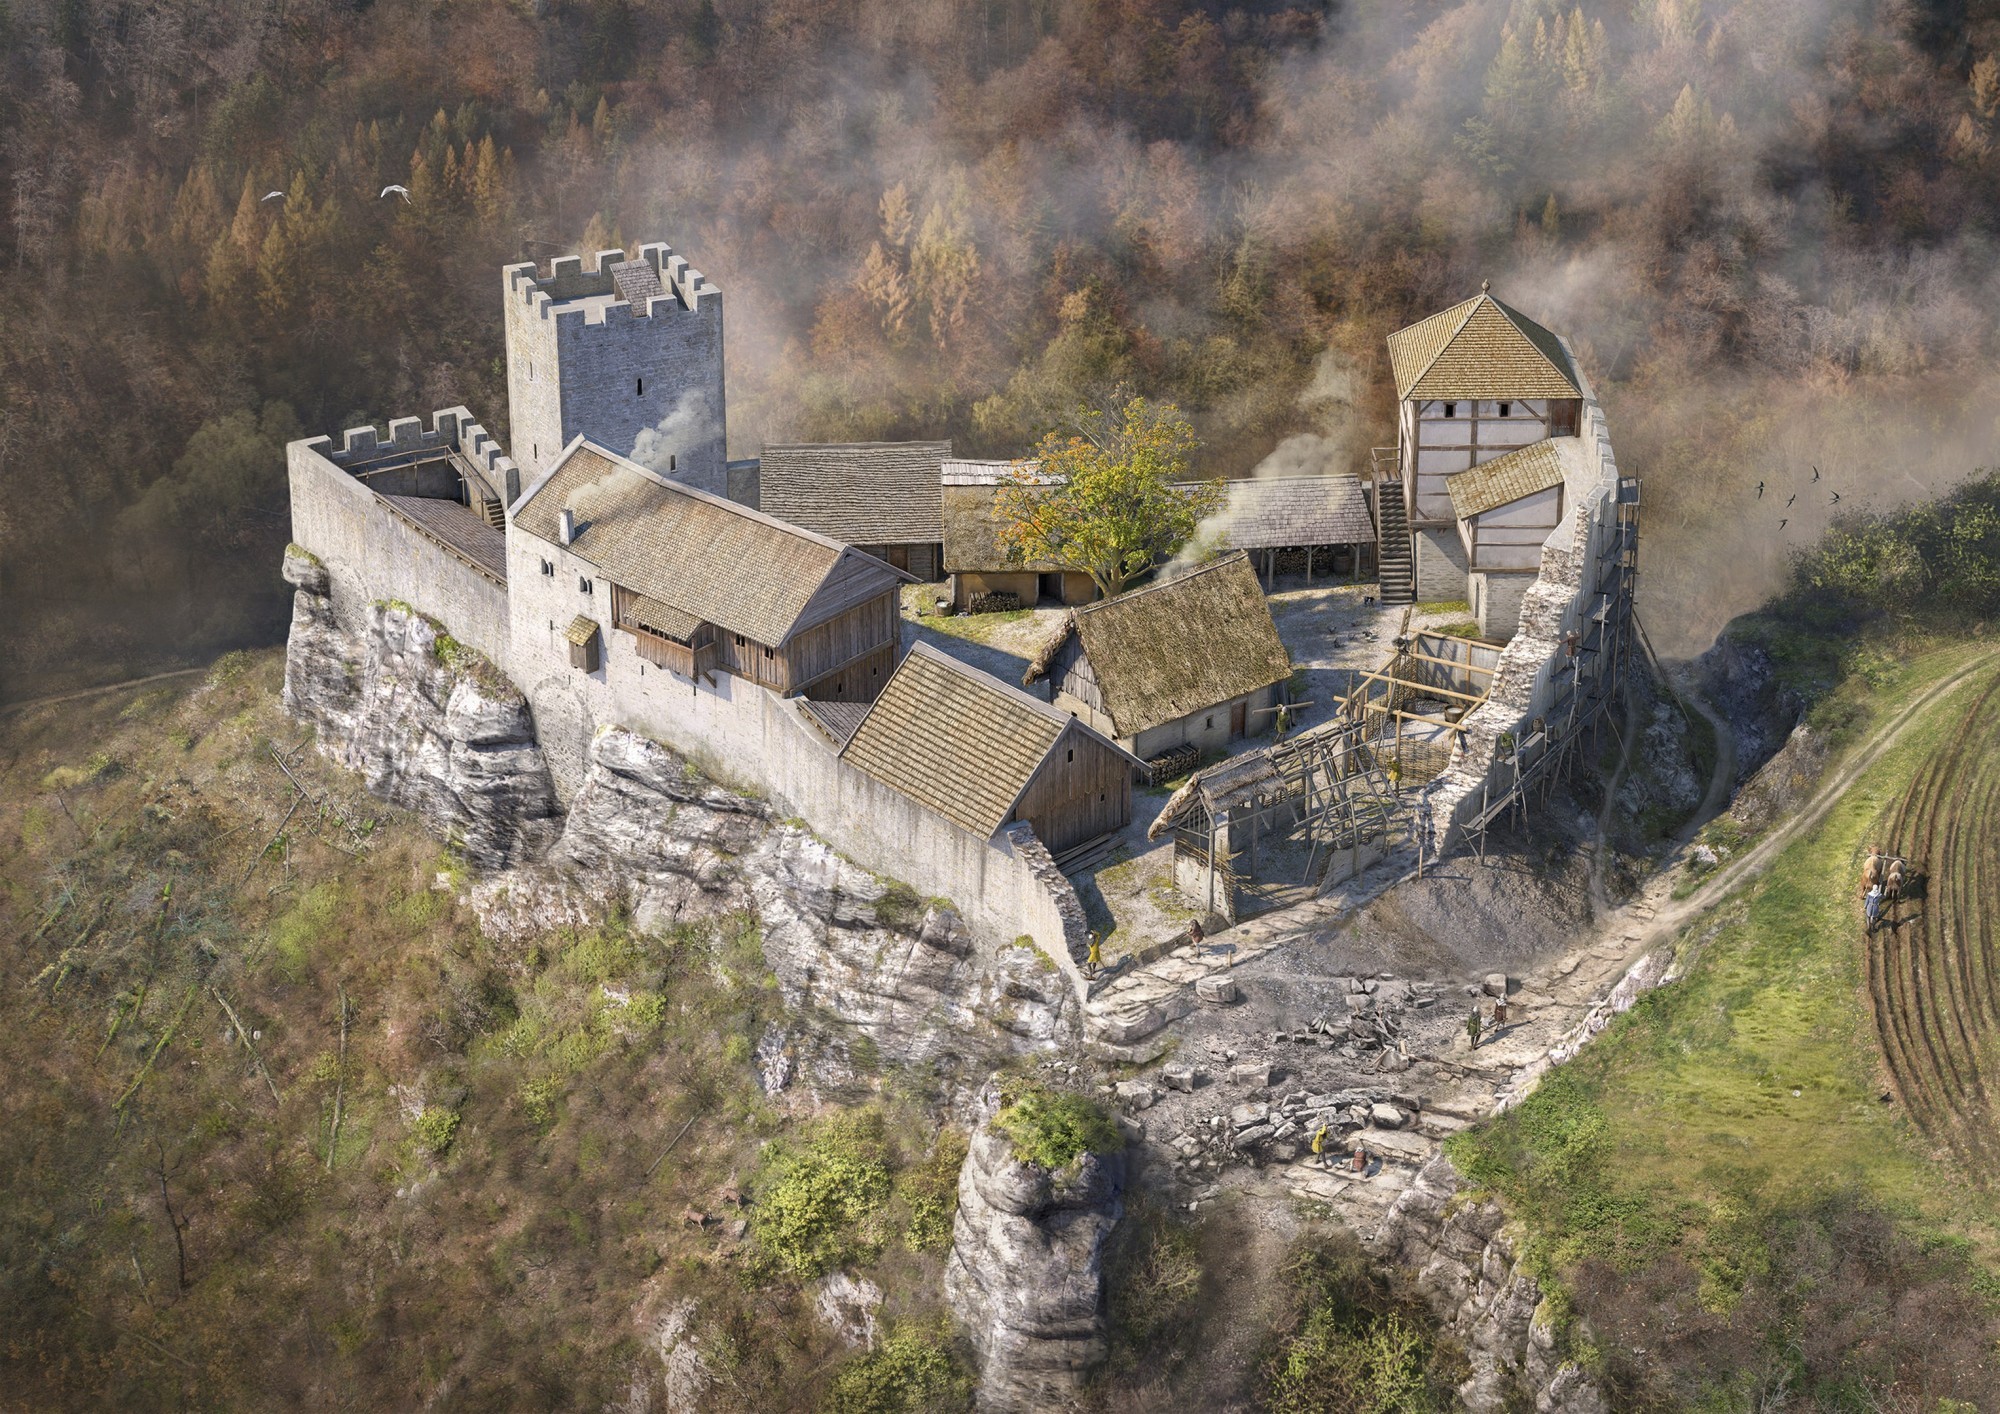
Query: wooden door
1239	719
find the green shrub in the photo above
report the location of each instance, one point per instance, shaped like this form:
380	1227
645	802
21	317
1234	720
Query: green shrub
1332	1368
1055	1128
931	1190
908	1373
435	1128
539	1099
816	1200
1351	1347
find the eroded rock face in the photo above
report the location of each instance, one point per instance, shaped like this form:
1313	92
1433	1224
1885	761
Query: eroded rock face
1466	1269
869	973
1026	1273
452	742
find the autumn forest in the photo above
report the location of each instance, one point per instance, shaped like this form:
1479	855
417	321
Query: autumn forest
1767	225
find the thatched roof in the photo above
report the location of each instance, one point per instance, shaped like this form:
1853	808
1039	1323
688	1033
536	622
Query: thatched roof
957	741
1504	480
862	493
1176	647
709	558
1481	349
972	521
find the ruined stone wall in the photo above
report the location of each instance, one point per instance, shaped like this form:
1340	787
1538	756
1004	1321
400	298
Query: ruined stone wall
1559	602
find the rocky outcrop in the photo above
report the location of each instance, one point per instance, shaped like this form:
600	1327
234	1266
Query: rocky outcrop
869	972
1026	1273
1466	1268
429	725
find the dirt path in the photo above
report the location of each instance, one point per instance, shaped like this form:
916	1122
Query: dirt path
96	691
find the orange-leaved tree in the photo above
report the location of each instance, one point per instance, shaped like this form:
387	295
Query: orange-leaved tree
1111	499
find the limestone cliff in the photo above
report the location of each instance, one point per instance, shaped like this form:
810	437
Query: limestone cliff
1026	1273
855	955
429	726
1466	1268
871	974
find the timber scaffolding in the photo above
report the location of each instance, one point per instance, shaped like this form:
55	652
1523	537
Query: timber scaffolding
1302	803
1287	821
1587	677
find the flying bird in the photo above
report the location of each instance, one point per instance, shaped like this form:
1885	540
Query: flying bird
1836	498
270	196
1760	490
1791	498
1783	523
1815	473
403	192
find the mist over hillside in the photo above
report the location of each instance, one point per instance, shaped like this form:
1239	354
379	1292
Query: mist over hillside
1766	225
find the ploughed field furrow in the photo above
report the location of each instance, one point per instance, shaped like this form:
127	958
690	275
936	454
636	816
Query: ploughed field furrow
1930	971
1896	963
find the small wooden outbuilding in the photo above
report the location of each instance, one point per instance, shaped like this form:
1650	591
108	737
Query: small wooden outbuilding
981	754
1318	526
976	561
1194	660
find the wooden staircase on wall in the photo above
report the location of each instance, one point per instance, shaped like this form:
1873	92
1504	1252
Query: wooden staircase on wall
1395	569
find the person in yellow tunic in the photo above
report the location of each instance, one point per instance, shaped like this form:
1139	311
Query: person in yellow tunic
1096	954
1319	1146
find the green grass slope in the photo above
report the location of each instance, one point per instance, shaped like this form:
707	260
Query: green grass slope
1724	1183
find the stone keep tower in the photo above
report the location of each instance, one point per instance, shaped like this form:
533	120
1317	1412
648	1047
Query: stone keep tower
628	354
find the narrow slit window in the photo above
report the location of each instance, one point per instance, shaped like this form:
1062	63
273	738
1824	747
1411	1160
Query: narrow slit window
638	387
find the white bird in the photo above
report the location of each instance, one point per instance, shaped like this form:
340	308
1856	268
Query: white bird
403	192
271	196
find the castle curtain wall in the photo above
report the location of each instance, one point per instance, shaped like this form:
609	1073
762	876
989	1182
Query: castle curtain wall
371	554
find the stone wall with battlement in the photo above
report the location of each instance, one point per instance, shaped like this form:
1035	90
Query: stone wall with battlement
451	430
581	359
373	554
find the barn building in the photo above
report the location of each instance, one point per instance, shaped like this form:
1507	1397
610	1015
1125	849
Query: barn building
1315	526
979	566
618	561
982	754
883	498
1476	382
1193	661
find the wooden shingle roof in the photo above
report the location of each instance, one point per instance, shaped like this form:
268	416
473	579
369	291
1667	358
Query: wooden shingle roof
957	741
1480	349
1176	647
1271	512
1536	467
863	493
709	558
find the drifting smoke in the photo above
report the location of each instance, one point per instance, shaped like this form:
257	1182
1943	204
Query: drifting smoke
689	425
1336	446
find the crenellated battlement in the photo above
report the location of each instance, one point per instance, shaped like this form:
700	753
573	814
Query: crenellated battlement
591	294
405	435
